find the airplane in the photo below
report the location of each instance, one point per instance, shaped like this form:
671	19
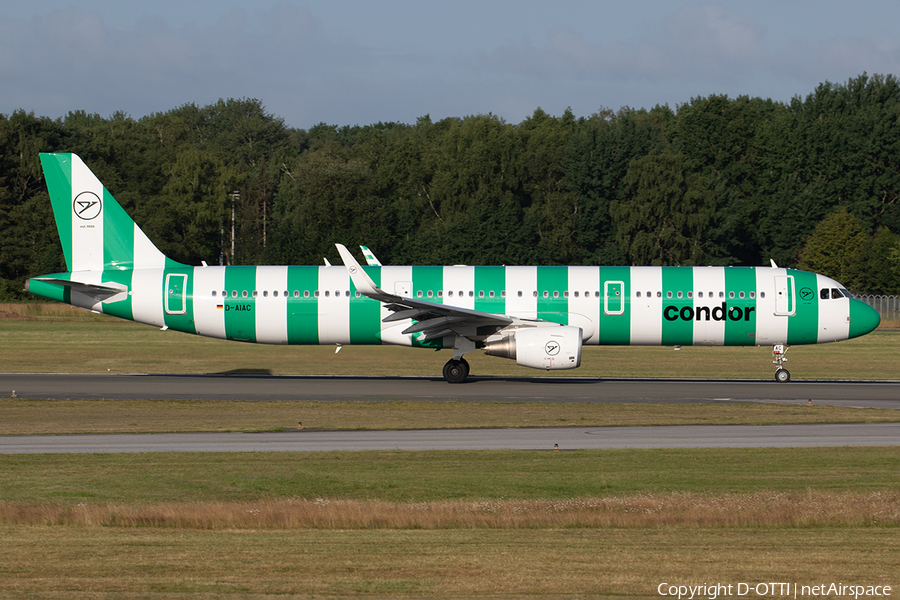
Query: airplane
539	316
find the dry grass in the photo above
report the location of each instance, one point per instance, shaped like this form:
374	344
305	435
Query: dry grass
111	562
760	509
52	311
32	417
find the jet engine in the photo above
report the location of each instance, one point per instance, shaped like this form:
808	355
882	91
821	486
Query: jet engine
539	347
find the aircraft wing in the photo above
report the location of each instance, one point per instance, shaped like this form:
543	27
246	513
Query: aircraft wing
433	320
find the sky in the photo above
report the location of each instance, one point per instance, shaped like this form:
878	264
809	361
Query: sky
359	62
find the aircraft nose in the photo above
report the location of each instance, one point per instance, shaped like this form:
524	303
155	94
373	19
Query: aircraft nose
863	318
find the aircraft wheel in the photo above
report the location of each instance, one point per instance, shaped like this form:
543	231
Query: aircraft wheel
782	376
456	371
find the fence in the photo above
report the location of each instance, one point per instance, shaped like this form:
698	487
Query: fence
887	306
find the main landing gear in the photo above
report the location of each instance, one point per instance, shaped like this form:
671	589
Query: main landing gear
782	375
456	370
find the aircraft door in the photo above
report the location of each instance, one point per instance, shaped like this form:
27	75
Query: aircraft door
785	300
175	284
613	302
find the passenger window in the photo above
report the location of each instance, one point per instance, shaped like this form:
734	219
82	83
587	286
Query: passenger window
668	294
214	293
699	294
741	295
637	293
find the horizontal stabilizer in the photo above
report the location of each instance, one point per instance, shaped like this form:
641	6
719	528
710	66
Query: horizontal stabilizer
107	291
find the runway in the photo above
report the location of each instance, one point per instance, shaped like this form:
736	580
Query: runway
247	387
567	438
485	389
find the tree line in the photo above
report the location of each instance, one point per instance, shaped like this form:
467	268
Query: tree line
812	183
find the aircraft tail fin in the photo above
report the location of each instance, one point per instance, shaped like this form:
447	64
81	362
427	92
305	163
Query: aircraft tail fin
95	231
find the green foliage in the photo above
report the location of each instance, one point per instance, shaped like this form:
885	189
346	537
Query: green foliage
878	269
835	248
717	181
666	209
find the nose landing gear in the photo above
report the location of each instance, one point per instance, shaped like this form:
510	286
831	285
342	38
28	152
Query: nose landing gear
782	375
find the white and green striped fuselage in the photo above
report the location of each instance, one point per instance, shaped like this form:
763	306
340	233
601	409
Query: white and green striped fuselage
735	306
539	316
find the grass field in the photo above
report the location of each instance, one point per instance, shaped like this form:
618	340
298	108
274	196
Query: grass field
56	338
428	524
444	524
22	416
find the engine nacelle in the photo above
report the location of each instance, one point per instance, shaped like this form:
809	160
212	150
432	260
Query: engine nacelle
540	347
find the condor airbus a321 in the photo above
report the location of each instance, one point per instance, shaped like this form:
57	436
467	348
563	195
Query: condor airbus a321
538	316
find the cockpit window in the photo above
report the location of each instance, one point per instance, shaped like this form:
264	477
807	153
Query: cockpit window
834	293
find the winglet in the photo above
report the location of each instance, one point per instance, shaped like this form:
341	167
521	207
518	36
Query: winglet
371	259
360	278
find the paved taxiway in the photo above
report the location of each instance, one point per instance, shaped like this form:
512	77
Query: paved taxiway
568	438
505	389
245	387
